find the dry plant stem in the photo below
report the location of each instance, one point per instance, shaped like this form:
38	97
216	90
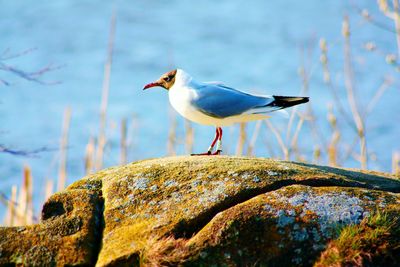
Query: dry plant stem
378	94
316	155
242	139
4	201
253	140
89	155
394	15
62	172
124	147
305	75
397	24
282	145
11	214
396	163
25	198
349	84
48	190
295	137
290	123
332	146
133	132
171	144
104	98
18	218
189	136
331	86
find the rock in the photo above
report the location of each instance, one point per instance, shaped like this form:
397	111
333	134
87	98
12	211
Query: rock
69	234
202	211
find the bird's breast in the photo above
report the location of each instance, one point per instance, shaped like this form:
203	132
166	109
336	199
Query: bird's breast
181	99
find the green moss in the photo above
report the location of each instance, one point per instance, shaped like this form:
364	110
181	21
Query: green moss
374	242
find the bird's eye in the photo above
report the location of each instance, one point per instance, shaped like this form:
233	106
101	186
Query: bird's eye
167	79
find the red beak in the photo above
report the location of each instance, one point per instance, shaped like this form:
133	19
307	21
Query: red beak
151	85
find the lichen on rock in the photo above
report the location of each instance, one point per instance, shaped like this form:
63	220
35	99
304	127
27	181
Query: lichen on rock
200	211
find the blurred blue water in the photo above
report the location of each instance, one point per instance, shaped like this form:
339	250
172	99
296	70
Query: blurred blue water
253	46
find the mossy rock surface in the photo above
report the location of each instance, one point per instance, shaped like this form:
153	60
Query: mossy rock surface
202	211
69	234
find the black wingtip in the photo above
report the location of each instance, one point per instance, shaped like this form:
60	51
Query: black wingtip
289	101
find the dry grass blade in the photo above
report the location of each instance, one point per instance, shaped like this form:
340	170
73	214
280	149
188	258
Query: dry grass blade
89	155
242	139
317	155
62	172
332	146
293	143
396	163
189	136
25	198
11	211
171	144
124	144
48	190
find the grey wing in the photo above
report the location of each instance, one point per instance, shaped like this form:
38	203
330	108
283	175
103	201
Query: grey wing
220	101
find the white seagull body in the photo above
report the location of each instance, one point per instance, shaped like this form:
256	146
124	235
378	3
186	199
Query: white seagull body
215	104
211	103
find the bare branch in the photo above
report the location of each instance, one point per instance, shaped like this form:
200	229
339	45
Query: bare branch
30	76
24	153
7	56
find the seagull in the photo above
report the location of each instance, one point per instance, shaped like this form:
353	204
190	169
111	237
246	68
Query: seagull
213	103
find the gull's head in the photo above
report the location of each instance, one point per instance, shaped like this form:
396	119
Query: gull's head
166	80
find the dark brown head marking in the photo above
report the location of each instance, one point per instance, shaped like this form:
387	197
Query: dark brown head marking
166	81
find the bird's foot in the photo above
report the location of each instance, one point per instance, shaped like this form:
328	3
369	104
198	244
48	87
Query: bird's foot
218	152
208	153
210	149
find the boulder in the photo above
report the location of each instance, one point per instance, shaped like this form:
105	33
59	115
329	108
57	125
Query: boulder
69	234
203	211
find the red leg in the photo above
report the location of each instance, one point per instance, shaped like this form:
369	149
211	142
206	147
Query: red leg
215	139
209	152
219	148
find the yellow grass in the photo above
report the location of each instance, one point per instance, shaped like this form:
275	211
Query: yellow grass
62	172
